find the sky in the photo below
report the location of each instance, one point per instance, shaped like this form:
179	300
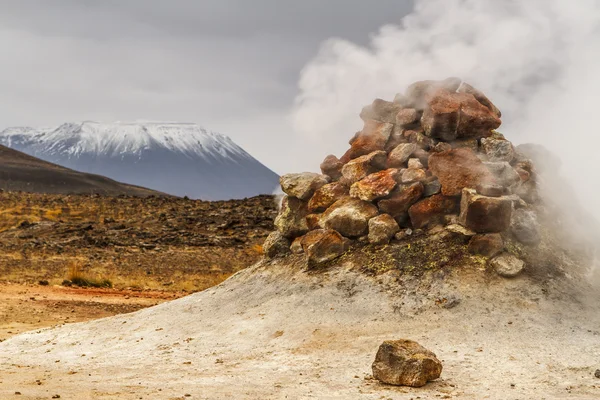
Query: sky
232	66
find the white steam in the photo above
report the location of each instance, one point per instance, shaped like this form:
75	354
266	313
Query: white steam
538	60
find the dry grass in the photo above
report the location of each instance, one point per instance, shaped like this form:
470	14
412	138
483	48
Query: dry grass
77	277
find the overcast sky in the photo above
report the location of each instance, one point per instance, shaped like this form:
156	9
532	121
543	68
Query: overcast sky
230	65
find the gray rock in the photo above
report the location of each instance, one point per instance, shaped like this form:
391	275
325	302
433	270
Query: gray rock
291	220
504	173
276	245
382	228
405	363
302	185
381	110
431	186
507	265
490	190
525	227
414	163
497	149
400	154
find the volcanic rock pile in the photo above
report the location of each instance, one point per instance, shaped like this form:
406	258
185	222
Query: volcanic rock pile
429	158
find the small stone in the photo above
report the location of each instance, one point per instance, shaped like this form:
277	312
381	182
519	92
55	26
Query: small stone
525	227
302	185
414	163
490	190
431	186
350	217
375	186
332	167
400	155
431	210
413	175
461	231
423	156
401	199
323	245
276	245
291	220
407	117
327	195
296	247
498	150
487	245
507	265
382	228
405	363
458	169
597	373
362	166
485	214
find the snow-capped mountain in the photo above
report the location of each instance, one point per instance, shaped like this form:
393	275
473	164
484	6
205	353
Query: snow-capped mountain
176	158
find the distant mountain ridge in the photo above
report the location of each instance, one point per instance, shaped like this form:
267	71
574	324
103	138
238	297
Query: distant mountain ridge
176	158
25	173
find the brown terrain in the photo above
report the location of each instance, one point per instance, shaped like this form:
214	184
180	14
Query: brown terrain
21	172
139	251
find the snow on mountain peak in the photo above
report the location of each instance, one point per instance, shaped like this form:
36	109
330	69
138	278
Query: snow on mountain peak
124	138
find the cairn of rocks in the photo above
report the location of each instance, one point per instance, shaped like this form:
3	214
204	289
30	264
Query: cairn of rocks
431	157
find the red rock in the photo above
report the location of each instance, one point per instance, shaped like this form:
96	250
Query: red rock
488	244
457	169
362	166
327	195
418	92
348	216
484	214
382	229
332	167
482	98
302	185
373	137
400	155
291	220
476	120
401	199
441	116
431	210
382	111
376	185
323	245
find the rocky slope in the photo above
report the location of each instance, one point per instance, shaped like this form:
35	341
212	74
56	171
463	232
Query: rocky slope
175	158
21	172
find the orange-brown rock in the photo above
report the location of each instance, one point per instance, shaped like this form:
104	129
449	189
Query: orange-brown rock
457	169
381	110
484	214
476	120
349	216
332	167
487	244
431	210
401	199
482	98
413	175
322	245
418	93
373	137
375	186
291	220
362	166
313	221
327	195
405	363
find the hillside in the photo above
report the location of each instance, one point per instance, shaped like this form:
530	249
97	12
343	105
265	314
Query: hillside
177	158
22	172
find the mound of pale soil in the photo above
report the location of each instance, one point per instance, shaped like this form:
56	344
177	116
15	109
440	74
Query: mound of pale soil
276	331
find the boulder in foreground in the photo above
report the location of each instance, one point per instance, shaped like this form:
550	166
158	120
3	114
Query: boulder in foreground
405	363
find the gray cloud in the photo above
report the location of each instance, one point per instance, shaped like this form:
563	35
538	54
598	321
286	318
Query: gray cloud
230	65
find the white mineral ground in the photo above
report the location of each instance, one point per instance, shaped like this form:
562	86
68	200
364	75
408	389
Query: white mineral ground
274	332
